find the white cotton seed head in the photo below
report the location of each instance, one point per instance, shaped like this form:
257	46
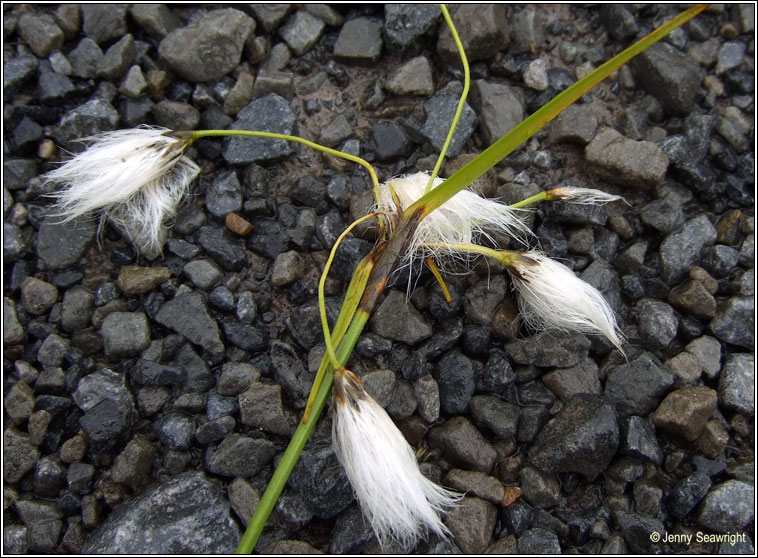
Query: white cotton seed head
553	297
399	502
583	196
464	219
135	177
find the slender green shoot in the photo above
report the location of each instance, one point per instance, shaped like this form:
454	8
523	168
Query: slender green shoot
321	299
461	102
531	125
197	134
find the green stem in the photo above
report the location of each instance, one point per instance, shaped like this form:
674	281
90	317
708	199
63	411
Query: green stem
299	439
531	125
197	134
461	102
536	198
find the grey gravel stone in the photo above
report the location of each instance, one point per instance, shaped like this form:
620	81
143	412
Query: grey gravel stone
134	279
42	520
624	161
412	78
737	384
483	30
337	131
86	58
15	539
176	115
637	387
41	33
13	331
102	385
440	110
76	310
240	456
526	30
217	39
175	430
203	273
538	541
670	76
200	521
187	314
681	250
727	506
132	466
657	323
118	58
471	523
19	402
636	529
19	455
261	407
405	25
398	320
157	20
456	376
463	444
638	440
582	378
500	108
577	124
707	351
541	490
687	494
37	296
360	41
267	114
302	31
735	322
685	411
106	425
549	350
236	377
125	334
103	23
582	438
91	118
224	196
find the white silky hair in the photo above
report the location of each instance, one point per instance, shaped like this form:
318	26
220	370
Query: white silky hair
583	196
553	297
463	219
401	504
134	177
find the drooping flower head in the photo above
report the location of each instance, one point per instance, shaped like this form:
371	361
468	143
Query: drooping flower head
400	503
464	219
134	177
551	296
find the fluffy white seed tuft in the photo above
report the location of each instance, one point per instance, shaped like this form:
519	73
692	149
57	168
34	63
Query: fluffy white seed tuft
134	177
583	196
464	219
399	502
553	297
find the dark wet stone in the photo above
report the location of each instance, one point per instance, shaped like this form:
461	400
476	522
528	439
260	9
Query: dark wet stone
271	113
407	24
226	29
222	247
60	245
304	323
582	438
638	440
302	31
19	455
637	387
91	118
104	23
658	323
199	378
43	524
728	507
687	494
37	296
200	521
175	430
244	336
549	350
681	250
734	322
582	378
624	161
16	71
40	32
125	334
224	196
538	541
736	383
187	314
389	141
619	22
118	58
439	113
471	523
518	517
483	31
398	320
456	376
351	532
79	477
360	41
664	214
151	373
132	466
577	124
157	20
685	411
320	480
240	456
107	425
670	76
464	445
636	529
290	372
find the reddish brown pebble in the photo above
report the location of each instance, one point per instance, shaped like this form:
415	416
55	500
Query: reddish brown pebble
512	493
238	225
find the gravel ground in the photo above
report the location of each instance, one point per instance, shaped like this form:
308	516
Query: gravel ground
148	401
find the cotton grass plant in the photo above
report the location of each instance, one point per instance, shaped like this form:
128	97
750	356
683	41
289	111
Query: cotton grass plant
136	178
